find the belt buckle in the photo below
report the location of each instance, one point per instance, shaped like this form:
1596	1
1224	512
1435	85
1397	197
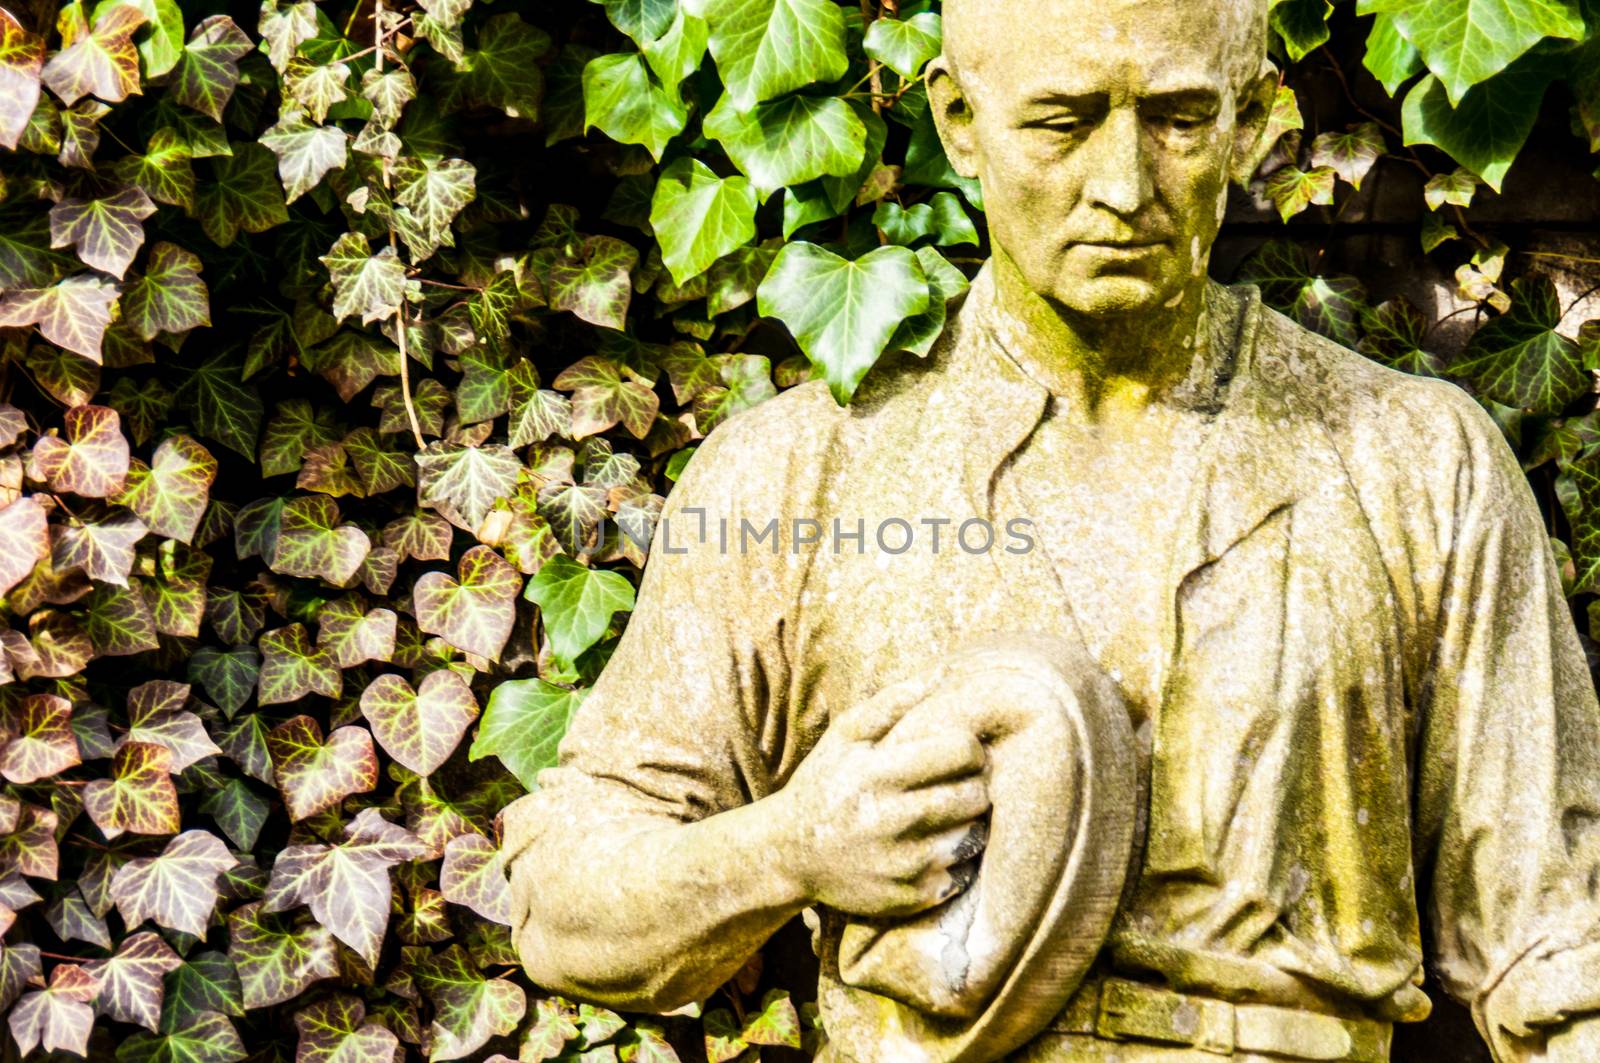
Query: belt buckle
1131	1011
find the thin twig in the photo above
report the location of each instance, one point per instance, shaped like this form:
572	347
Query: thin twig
394	246
874	68
447	284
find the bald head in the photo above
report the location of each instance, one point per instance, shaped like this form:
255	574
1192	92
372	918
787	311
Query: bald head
978	33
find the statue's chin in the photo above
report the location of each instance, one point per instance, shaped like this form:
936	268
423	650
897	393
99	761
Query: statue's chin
1109	297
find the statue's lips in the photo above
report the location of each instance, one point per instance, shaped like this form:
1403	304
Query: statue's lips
1120	248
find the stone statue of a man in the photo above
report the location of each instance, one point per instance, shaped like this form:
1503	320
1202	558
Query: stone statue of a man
1244	654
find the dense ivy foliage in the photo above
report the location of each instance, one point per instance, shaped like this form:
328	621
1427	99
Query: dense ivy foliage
348	350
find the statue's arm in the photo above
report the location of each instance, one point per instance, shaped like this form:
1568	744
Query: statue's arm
1508	771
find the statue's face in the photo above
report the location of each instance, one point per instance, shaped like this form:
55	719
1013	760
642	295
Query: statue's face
1104	133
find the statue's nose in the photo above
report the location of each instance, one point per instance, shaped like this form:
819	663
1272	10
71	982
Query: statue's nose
1117	165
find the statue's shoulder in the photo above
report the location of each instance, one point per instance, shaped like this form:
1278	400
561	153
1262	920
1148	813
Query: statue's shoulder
1404	420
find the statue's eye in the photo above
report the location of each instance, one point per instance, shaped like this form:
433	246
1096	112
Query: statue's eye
1066	124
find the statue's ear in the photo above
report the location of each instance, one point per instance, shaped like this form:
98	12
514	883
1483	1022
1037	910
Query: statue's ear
952	115
1250	144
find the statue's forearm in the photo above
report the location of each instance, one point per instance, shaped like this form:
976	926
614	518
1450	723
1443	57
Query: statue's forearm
656	917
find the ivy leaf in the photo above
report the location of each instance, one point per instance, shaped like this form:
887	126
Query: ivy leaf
156	715
1292	189
40	743
604	394
243	194
314	775
24	540
504	70
790	141
21	60
1350	154
434	191
284	29
228	676
277	962
1302	25
96	61
468	480
421	535
473	875
130	981
623	100
291	667
93	461
59	1017
315	87
1455	189
1467	42
352	634
1519	358
573	513
306	154
223	408
209	68
1389	57
336	1030
765	48
313	544
106	232
139	797
476	612
239	811
699	217
363	283
119	621
843	313
296	428
388	91
199	1037
73	313
346	886
577	603
593	281
419	728
941	218
102	548
206	982
170	495
1487	129
468	1008
905	45
169	296
723	1037
643	20
777	1022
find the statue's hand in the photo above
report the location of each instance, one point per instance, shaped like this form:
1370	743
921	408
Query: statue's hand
872	826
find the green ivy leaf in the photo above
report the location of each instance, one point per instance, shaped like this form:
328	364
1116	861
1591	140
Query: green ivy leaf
1350	154
1302	25
291	668
605	394
170	495
419	728
242	195
169	296
843	313
434	191
1389	57
119	621
208	71
363	283
206	982
777	1022
223	408
593	281
1489	126
941	219
789	141
1467	42
201	1037
473	876
475	612
623	100
905	45
466	481
1393	333
577	603
101	547
41	742
1519	358
765	48
228	676
277	960
523	724
1292	189
468	1008
336	1030
699	217
106	232
504	70
314	775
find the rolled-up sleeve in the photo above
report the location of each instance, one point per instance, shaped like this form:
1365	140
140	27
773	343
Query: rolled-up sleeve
1508	772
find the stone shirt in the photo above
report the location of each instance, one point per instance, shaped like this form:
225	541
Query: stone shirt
1373	708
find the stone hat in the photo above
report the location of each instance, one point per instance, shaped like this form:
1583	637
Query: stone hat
983	973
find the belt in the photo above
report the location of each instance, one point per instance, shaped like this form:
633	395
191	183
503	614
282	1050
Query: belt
1119	1010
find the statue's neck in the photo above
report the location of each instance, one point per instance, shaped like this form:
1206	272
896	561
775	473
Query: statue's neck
1101	366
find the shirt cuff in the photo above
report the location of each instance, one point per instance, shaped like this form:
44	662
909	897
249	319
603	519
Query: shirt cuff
1549	986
